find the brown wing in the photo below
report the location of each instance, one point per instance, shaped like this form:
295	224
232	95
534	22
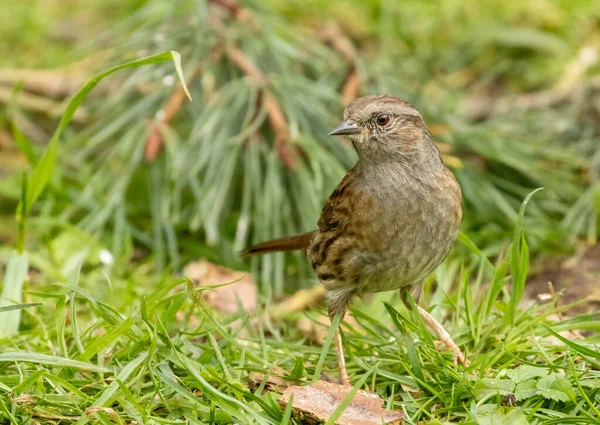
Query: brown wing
331	242
335	211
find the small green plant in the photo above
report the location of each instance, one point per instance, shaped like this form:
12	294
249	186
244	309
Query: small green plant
33	185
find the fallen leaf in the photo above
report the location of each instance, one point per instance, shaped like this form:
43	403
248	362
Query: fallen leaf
242	288
316	403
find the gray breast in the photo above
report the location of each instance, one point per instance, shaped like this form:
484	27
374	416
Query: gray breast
415	227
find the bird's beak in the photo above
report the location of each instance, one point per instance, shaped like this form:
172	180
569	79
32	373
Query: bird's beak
345	128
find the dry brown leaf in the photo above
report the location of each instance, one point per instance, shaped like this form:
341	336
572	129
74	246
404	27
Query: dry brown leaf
225	298
315	404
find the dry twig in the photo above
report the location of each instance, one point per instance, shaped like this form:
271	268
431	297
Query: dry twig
48	82
238	12
154	141
274	112
248	68
333	36
39	104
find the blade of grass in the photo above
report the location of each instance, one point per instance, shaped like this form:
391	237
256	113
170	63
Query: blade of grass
334	324
12	293
59	320
74	327
45	359
595	354
19	306
29	381
287	413
43	169
104	400
519	261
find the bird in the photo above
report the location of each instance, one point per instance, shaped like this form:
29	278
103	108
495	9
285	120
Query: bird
392	219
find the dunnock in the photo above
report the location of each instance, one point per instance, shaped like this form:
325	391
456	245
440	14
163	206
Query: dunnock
393	218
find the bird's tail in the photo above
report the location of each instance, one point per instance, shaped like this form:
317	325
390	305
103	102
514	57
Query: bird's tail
291	243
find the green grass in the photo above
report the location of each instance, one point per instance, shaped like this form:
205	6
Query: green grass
144	363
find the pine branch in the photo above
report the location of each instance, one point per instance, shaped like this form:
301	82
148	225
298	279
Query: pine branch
333	36
155	140
275	114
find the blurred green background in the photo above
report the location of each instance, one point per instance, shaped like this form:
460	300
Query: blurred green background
147	181
99	325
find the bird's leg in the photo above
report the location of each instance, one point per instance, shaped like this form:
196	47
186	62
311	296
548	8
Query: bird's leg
444	336
436	327
339	347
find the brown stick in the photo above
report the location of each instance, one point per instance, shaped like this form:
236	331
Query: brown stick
155	140
245	64
239	13
274	111
351	88
230	5
39	104
344	46
333	35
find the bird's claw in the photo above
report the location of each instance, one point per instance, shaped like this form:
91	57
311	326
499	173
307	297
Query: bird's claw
458	356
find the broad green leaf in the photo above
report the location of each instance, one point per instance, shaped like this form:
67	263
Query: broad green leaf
488	387
525	372
513	417
555	387
590	383
526	389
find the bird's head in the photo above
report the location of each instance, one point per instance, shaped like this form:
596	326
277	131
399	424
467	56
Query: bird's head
384	127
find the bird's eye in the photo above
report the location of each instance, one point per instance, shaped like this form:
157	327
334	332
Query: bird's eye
383	119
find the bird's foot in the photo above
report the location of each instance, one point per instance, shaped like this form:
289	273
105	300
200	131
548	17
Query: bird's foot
458	356
345	381
444	336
